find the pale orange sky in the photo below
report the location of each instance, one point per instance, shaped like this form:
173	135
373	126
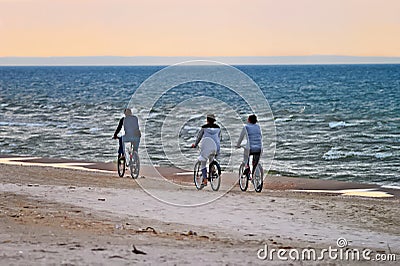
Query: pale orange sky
199	28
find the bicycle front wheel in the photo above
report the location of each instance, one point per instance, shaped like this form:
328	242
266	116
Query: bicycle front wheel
121	166
215	175
258	179
198	178
135	165
243	179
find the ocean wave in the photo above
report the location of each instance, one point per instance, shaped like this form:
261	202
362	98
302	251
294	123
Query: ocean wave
94	129
338	124
383	155
192	117
391	186
62	126
335	154
22	124
186	127
283	119
308	87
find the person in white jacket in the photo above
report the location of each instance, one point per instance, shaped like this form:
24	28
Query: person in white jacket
210	137
254	143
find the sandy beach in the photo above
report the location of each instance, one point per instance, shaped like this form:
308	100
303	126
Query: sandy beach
54	215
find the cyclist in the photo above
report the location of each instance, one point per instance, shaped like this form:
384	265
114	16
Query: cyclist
254	143
210	137
132	132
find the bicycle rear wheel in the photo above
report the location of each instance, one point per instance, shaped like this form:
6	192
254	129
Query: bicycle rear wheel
135	165
121	166
197	176
258	178
215	175
243	179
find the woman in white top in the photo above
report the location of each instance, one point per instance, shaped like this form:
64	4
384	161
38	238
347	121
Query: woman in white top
210	137
254	142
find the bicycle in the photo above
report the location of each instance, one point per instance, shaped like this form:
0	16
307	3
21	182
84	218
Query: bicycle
214	174
133	164
257	179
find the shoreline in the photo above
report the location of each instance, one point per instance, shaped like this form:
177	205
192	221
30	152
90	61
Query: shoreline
273	182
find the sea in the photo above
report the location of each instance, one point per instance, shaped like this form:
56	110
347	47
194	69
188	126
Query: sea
339	122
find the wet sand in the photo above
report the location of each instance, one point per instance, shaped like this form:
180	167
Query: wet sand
56	215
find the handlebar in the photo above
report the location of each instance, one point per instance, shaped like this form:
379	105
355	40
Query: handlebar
241	146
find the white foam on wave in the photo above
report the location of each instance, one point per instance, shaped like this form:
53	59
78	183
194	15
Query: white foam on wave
337	124
190	127
383	155
284	119
332	154
369	192
94	129
196	116
341	124
153	115
391	186
25	161
335	153
21	124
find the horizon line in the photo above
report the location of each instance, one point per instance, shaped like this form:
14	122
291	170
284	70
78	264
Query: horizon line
110	60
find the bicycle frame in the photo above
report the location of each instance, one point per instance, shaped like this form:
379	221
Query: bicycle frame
256	171
214	173
130	159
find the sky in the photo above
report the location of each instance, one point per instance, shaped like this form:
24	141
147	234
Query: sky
44	28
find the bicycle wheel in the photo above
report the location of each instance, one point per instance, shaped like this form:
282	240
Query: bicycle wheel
215	175
243	179
121	166
258	178
135	165
198	178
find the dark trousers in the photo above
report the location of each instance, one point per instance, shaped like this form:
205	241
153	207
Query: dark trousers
256	159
